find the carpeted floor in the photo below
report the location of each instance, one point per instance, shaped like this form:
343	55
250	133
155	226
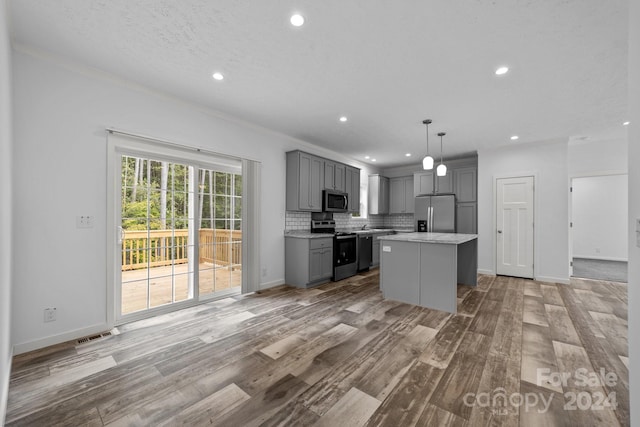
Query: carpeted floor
612	271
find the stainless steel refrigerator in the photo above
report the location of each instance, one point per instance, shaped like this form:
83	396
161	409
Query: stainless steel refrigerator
436	214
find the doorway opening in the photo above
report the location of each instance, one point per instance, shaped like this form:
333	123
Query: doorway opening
598	227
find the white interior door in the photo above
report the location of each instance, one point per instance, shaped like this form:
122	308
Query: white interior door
514	226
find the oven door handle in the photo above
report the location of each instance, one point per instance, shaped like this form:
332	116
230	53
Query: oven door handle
346	237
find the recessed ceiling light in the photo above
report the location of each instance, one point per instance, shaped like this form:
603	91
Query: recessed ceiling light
514	137
502	70
373	160
297	20
366	157
218	76
408	154
625	124
343	119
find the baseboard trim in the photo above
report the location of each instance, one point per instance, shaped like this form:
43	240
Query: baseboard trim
271	284
4	392
487	272
547	279
600	258
60	338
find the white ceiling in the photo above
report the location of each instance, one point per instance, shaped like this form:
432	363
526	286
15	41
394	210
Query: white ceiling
385	65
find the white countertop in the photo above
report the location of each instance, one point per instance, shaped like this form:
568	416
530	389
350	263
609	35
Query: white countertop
302	234
444	238
306	234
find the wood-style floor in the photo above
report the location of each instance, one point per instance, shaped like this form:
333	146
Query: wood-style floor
340	355
142	289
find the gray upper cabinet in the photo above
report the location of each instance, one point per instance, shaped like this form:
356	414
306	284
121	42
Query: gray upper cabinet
429	183
378	197
335	176
305	174
466	184
466	218
308	175
444	184
401	198
423	183
352	185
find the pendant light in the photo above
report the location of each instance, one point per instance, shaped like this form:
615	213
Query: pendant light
441	170
427	162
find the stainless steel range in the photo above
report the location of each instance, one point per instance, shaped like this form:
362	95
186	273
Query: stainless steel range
345	255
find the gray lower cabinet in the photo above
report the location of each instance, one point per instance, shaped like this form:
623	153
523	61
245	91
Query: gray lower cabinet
375	251
308	262
375	248
401	260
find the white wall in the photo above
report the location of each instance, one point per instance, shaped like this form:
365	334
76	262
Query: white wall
600	157
634	209
599	216
60	115
5	210
547	161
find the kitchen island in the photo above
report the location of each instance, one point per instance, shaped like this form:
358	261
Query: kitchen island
425	268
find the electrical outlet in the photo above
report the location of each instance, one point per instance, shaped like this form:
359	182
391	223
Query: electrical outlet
597	250
264	271
84	221
50	314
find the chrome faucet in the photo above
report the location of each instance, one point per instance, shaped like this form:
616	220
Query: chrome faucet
364	227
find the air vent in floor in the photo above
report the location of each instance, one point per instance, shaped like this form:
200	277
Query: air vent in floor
93	337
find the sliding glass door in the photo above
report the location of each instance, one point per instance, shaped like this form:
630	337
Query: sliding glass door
179	234
220	233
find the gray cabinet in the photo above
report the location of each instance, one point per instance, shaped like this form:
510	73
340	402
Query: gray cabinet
444	184
352	184
305	174
308	262
423	183
378	197
401	198
401	261
375	251
375	247
334	176
466	184
429	183
466	218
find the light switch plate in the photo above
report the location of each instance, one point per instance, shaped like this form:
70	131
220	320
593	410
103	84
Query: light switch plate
386	249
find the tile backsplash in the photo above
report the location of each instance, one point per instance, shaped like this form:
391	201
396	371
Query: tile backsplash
302	221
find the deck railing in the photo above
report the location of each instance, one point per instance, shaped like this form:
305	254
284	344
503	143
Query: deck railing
156	248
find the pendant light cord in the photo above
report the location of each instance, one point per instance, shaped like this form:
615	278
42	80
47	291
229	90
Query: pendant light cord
427	139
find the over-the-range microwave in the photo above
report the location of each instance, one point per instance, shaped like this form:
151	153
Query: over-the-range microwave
334	201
